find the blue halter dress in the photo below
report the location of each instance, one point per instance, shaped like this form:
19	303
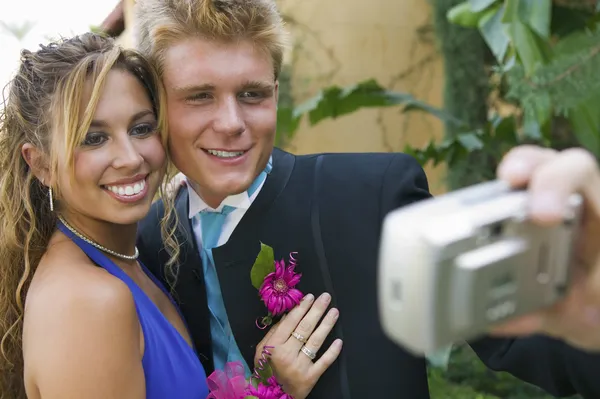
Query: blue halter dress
171	367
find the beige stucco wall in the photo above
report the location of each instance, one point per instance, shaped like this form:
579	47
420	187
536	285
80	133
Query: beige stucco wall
345	41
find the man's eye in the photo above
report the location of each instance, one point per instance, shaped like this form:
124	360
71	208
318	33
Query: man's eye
252	95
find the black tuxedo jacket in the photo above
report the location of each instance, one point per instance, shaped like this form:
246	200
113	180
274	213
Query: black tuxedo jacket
329	208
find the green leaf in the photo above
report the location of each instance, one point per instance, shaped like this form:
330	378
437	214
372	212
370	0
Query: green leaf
263	265
412	104
538	15
480	5
470	141
287	125
463	15
334	101
598	6
250	397
511	11
511	61
494	34
97	30
531	128
449	150
533	51
542	110
265	373
585	121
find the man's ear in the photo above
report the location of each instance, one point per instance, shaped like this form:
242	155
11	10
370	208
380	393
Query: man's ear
276	92
36	160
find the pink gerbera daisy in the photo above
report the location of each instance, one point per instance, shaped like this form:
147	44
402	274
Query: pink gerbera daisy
278	290
270	391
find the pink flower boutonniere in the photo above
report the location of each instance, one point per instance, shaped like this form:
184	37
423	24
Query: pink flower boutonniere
276	284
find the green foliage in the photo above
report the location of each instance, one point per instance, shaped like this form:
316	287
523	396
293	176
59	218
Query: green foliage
467	372
439	388
98	30
568	80
334	102
498	134
547	60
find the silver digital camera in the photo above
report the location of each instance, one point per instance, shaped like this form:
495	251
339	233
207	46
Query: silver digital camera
453	266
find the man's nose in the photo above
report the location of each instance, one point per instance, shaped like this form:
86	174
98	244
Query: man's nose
229	119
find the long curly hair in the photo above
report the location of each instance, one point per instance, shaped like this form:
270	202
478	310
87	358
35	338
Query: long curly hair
44	97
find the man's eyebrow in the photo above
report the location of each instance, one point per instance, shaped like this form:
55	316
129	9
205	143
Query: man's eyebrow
193	88
259	85
252	84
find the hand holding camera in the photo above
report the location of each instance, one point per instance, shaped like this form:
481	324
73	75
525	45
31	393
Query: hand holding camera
514	257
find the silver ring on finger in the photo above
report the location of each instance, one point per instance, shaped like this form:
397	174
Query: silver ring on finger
311	355
299	337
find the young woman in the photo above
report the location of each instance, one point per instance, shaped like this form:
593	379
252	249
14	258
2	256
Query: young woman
82	154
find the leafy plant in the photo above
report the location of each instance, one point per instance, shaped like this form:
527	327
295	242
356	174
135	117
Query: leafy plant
546	71
334	101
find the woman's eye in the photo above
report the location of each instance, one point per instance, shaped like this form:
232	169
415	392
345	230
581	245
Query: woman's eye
94	139
143	129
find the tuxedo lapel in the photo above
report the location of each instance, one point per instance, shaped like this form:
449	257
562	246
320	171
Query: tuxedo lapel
190	288
234	260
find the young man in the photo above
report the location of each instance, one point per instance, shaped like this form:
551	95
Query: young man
220	61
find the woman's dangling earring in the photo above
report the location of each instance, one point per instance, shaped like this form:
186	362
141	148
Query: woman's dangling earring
51	199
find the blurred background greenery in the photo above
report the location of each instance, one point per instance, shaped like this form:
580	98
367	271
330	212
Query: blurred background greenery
468	378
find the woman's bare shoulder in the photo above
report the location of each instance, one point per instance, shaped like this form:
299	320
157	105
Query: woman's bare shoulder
68	283
75	307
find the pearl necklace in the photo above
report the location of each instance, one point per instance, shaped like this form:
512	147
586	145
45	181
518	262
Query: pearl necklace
100	247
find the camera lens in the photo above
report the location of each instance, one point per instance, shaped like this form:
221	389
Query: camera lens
496	230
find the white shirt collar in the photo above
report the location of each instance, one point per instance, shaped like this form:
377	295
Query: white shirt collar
238	201
197	204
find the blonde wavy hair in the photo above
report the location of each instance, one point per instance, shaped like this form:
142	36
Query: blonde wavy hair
44	97
160	23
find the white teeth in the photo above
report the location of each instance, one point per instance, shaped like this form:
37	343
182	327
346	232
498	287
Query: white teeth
225	154
128	189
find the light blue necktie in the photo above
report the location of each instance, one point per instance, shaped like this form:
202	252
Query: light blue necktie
225	348
223	343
